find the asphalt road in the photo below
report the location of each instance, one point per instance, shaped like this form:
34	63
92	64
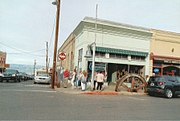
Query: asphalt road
26	101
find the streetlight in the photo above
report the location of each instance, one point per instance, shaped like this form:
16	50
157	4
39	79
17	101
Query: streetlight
94	50
57	3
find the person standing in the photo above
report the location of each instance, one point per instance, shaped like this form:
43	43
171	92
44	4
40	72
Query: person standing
66	75
83	80
100	80
60	76
73	80
79	77
95	80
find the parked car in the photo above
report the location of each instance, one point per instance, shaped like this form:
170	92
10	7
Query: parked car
1	77
11	75
30	77
23	76
42	78
169	86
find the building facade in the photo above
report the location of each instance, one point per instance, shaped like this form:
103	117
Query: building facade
3	64
119	47
165	53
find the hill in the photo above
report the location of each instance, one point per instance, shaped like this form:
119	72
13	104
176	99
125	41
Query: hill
25	68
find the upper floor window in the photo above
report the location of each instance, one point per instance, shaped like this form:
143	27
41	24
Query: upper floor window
80	54
100	54
138	58
118	56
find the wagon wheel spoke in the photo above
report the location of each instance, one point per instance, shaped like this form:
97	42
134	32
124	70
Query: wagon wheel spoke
134	82
126	87
140	87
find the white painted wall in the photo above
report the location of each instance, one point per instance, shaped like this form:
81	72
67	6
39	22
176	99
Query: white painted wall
113	40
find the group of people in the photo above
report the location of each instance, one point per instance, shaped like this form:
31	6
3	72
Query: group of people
80	79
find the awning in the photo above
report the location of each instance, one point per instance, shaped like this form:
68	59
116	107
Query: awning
120	51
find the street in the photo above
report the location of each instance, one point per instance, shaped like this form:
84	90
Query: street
26	101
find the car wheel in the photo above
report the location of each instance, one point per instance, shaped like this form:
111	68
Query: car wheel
168	93
35	82
1	80
151	93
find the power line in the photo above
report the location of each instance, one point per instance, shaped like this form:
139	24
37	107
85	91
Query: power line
51	38
22	51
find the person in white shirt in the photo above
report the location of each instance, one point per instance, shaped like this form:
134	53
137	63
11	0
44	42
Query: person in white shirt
84	80
100	80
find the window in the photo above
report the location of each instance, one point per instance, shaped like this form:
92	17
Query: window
80	54
118	56
100	54
138	58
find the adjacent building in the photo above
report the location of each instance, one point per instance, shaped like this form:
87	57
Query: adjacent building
3	64
68	47
165	53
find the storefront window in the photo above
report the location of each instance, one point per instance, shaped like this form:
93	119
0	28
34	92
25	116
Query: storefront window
80	54
138	58
118	56
100	54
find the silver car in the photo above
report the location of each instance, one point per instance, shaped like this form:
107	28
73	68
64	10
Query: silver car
42	78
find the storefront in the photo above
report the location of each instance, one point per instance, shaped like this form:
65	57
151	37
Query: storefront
165	53
165	65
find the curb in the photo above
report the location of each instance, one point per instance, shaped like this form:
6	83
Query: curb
110	92
100	93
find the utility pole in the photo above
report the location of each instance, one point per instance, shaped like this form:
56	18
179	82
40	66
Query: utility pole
57	3
94	50
47	57
34	66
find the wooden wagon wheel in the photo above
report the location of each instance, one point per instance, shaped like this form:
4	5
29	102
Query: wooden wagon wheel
131	83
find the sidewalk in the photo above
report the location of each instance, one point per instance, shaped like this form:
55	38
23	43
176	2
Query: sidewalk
108	90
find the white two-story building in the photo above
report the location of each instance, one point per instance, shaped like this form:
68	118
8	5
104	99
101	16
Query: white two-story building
118	47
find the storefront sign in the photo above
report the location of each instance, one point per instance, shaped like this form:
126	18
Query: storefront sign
156	70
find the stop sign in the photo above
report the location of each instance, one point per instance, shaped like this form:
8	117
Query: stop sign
62	56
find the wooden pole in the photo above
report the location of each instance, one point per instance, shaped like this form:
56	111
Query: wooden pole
55	43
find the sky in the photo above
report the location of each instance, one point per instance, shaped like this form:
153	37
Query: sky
26	25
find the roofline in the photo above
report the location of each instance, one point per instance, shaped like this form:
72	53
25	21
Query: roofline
71	34
117	24
169	32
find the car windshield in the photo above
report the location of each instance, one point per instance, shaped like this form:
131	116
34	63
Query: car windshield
178	78
156	78
10	71
44	75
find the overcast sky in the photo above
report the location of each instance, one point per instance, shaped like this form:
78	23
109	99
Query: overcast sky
25	25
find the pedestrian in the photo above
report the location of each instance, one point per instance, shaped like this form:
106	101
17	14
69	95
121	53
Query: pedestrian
118	74
95	80
84	80
65	75
100	80
79	77
60	76
73	80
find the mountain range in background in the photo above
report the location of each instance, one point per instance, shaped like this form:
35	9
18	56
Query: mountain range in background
29	69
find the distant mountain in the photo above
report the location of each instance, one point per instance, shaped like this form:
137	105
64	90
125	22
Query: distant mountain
25	68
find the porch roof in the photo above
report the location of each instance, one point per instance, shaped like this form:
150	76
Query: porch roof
121	51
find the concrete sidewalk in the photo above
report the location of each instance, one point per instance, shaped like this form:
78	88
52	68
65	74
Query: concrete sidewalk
108	90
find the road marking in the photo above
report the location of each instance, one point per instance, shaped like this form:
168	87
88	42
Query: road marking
28	90
134	98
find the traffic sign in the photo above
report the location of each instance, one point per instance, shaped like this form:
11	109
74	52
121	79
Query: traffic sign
62	56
